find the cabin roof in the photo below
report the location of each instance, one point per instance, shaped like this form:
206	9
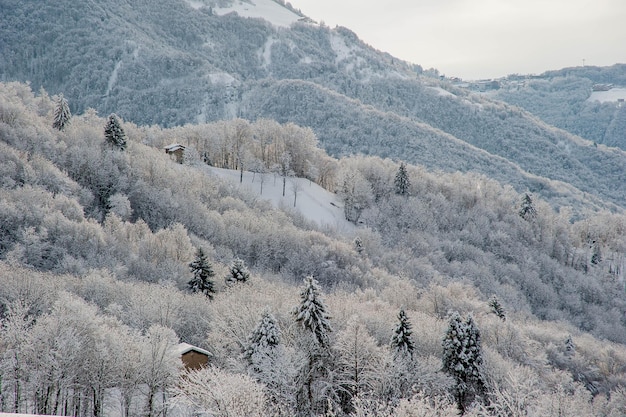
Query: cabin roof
183	348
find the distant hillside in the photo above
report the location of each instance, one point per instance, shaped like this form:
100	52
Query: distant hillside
565	99
171	62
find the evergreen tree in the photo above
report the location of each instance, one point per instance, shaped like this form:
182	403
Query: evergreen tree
263	339
401	341
570	348
113	132
312	314
314	378
238	272
527	210
596	254
462	359
358	244
401	181
62	114
496	307
202	273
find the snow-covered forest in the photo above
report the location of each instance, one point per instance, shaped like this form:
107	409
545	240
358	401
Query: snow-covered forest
453	294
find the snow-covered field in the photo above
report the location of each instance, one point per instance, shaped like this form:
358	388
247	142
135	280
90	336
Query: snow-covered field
608	96
313	202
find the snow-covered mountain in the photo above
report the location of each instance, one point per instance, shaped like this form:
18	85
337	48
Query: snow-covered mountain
172	62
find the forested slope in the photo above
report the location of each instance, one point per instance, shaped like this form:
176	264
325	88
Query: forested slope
96	243
168	63
564	98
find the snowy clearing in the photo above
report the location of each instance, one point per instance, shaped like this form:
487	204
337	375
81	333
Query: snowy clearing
613	95
264	9
440	91
221	78
313	202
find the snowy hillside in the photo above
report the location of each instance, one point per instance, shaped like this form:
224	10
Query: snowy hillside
312	201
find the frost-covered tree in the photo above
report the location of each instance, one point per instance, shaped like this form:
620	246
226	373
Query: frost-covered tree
114	133
359	361
401	182
496	307
401	341
462	359
263	339
312	313
596	254
62	114
313	382
202	271
238	272
527	210
216	392
269	362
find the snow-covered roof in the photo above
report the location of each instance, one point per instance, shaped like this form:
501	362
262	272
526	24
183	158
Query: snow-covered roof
183	348
174	147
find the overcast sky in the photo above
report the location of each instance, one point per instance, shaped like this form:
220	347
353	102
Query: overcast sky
475	39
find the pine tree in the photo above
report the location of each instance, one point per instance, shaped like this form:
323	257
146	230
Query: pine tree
263	339
496	307
62	114
311	313
238	272
462	359
113	132
527	210
202	273
401	181
401	341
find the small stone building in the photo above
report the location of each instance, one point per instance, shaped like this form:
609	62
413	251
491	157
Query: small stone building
193	357
176	151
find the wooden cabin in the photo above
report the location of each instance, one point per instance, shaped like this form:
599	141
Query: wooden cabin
176	151
193	357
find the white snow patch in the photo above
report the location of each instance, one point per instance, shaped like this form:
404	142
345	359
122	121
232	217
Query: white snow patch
342	50
221	78
442	92
613	95
195	4
113	77
265	53
313	202
306	60
264	9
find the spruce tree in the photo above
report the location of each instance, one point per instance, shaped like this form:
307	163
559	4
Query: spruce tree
401	341
202	273
401	181
113	132
62	114
527	209
312	314
462	359
496	307
238	272
263	339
